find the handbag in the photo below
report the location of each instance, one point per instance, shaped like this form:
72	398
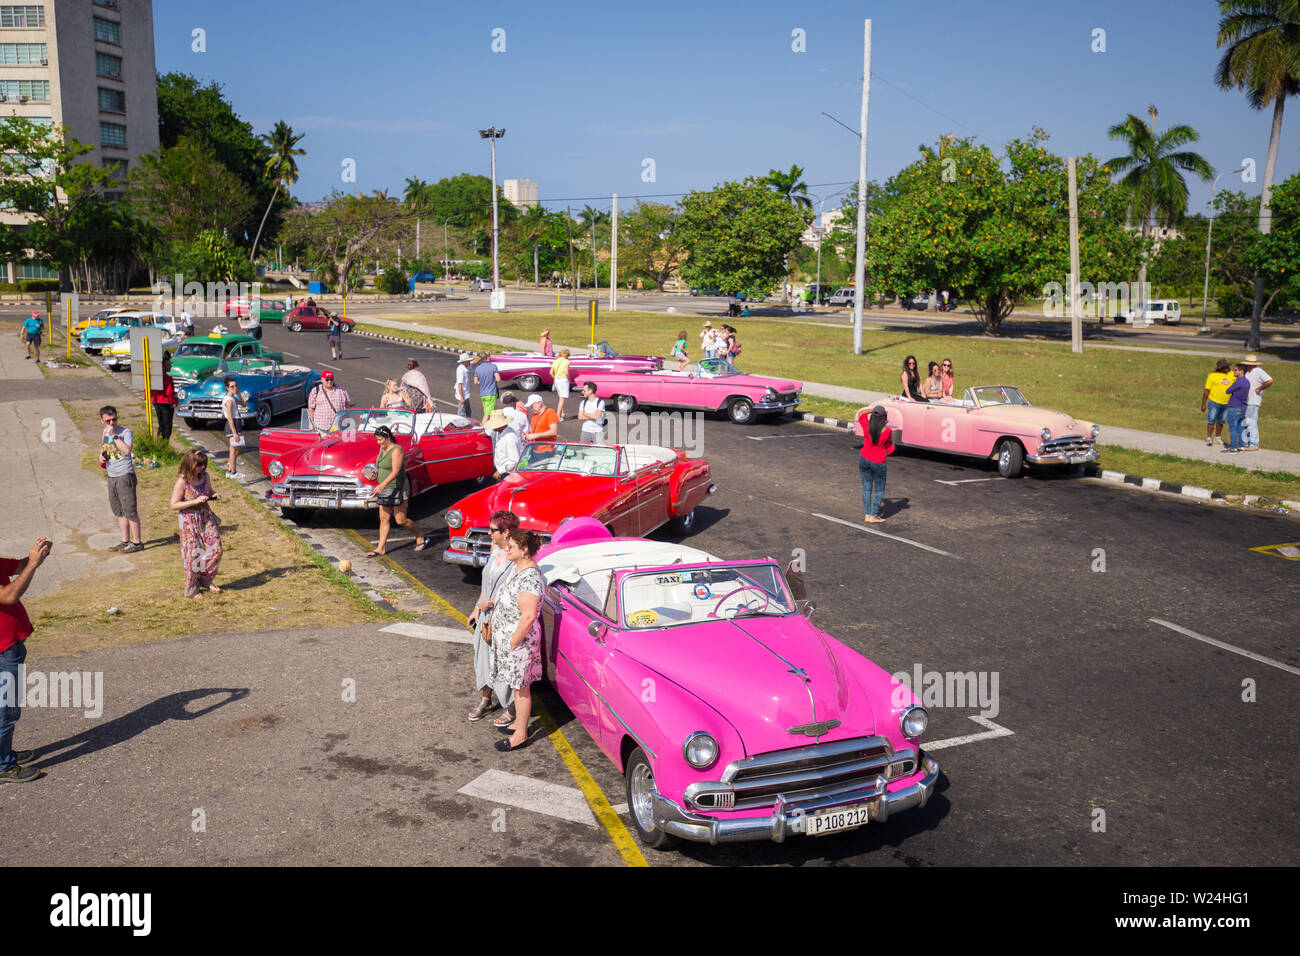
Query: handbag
487	620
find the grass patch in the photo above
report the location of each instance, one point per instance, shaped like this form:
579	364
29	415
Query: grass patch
1225	478
1152	391
460	344
271	578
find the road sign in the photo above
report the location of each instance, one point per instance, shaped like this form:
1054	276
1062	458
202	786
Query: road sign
138	336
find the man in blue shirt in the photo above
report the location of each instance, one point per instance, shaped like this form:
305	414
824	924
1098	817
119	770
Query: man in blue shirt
335	336
31	333
488	377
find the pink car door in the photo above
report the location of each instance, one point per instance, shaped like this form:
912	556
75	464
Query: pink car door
576	654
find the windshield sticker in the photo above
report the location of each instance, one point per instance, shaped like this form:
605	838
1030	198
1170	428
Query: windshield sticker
702	591
668	579
641	618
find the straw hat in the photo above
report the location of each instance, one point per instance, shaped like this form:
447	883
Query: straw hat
1250	359
496	420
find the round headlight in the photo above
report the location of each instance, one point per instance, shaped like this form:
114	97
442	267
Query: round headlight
276	469
182	394
1096	430
455	519
244	395
913	722
769	395
1046	433
370	472
700	750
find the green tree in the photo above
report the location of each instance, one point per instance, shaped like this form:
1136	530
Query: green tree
649	243
42	178
1263	58
789	186
1152	171
1275	255
184	190
737	236
336	236
281	166
993	229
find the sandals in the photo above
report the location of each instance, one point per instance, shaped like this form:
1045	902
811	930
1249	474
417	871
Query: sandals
374	554
422	544
504	721
484	708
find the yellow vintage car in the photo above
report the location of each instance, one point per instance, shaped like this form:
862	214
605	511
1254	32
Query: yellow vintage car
99	320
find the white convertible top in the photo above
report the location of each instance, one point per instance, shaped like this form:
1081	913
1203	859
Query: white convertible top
587	567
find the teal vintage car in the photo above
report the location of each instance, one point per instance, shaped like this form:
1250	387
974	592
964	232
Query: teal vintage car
266	389
118	327
197	358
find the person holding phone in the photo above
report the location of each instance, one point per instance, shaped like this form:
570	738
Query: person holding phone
200	531
15	627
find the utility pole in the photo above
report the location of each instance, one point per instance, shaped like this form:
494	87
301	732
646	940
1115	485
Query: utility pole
859	269
573	273
417	237
613	257
1076	314
595	276
492	134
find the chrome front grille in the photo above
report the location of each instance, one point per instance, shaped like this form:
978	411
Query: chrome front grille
478	542
1069	445
206	405
813	773
322	485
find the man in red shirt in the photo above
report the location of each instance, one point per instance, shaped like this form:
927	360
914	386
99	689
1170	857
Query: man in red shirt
15	625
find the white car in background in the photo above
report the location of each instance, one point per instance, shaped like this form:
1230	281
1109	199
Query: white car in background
1157	311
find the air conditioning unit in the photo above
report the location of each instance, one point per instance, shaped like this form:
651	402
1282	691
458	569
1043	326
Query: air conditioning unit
45	61
22	99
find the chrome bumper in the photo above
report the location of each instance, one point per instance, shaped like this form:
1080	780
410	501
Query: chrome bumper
776	406
1091	455
787	819
464	557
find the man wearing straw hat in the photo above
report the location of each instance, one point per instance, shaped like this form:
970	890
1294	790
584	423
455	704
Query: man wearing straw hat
1259	380
506	447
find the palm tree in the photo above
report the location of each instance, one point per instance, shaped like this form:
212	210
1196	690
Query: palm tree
790	186
591	218
1263	58
1152	172
281	166
416	194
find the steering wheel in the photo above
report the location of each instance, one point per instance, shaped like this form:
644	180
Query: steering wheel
401	426
767	598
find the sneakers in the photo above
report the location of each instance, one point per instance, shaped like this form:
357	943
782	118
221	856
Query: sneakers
1218	440
1209	441
120	546
17	774
232	474
1251	448
1231	451
132	548
24	756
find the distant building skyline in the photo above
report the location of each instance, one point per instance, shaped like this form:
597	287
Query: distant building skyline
522	193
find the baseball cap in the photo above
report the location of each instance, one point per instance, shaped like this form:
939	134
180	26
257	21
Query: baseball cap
327	374
534	399
36	315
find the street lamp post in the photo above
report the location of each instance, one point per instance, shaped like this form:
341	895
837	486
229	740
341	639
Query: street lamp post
1209	234
821	236
446	257
493	134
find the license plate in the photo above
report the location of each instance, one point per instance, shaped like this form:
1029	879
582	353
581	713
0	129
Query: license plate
1077	459
313	502
202	414
841	818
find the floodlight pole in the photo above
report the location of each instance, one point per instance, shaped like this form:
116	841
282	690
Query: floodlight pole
1205	290
859	269
493	134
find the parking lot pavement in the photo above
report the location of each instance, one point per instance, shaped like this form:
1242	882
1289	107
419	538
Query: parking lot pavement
295	747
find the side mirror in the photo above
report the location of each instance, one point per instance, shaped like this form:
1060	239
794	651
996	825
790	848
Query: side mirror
597	630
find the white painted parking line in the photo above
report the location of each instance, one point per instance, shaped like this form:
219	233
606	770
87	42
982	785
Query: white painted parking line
882	534
539	796
336	368
963	481
293	355
452	635
376	381
994	730
783	437
1228	647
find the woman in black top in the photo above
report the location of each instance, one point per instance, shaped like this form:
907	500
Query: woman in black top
911	380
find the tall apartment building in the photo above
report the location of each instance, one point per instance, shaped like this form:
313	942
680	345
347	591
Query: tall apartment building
522	193
87	65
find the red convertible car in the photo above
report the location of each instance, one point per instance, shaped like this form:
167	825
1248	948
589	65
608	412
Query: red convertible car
631	489
312	317
336	469
532	370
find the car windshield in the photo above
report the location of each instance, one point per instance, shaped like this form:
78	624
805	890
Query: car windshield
574	459
368	419
666	598
998	395
203	349
714	368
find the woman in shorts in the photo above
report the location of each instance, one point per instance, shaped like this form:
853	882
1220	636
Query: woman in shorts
390	491
231	403
560	375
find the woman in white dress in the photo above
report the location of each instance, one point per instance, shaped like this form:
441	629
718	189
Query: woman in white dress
591	412
517	633
484	660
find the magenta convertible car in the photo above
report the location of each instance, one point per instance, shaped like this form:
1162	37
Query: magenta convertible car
532	370
708	385
729	714
994	421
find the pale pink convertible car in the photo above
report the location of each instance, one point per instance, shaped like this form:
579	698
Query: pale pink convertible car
532	370
730	715
993	421
709	385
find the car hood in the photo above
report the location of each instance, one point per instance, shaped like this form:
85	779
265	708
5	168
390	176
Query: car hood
763	674
1032	416
337	455
761	381
543	499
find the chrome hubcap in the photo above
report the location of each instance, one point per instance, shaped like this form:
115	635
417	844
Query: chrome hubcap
741	412
643	789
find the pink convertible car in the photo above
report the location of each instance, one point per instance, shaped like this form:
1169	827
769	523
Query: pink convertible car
532	370
730	715
994	421
709	385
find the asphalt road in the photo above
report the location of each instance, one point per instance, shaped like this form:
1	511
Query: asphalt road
1111	739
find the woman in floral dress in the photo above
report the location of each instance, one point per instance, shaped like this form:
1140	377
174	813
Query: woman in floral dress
200	536
517	632
494	571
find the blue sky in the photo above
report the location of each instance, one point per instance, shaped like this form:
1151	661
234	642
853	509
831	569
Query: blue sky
710	91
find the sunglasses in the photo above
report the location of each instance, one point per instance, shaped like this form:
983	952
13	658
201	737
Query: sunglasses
492	530
946	365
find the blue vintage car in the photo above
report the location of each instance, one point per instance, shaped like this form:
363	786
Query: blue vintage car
267	389
119	327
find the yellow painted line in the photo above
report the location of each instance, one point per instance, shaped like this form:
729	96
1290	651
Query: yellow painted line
624	842
1277	550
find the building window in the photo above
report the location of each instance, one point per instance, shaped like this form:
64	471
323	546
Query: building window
36	91
22	18
112	101
108	4
23	54
108	65
107	31
112	134
31	269
116	166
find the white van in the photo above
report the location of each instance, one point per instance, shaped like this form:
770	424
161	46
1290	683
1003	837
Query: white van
1162	311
